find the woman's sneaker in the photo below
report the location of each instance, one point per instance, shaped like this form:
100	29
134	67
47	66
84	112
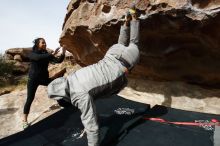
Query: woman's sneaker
25	125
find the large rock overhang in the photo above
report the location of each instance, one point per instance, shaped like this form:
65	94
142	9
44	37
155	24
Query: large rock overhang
179	38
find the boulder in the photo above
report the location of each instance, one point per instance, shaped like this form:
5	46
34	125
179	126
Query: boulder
18	58
8	57
23	52
179	39
21	68
59	73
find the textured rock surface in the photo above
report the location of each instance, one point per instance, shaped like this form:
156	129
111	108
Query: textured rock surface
8	57
12	106
22	52
179	38
18	58
21	67
174	94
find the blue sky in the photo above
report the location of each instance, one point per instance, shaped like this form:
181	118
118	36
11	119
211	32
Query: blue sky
21	21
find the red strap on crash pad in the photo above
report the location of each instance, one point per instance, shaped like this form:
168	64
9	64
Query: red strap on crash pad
213	122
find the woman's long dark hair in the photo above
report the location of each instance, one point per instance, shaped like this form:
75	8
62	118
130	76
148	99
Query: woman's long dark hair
36	43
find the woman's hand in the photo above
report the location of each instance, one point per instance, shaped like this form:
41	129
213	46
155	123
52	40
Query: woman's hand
56	51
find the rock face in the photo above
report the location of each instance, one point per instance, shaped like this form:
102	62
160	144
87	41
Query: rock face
12	109
20	54
179	38
19	57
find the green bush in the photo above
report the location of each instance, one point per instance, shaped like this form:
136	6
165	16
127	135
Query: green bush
7	77
22	80
6	68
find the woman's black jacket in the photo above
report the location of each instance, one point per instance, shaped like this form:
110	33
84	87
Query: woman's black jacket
39	63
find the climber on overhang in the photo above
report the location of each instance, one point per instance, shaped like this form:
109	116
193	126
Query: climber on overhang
105	78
